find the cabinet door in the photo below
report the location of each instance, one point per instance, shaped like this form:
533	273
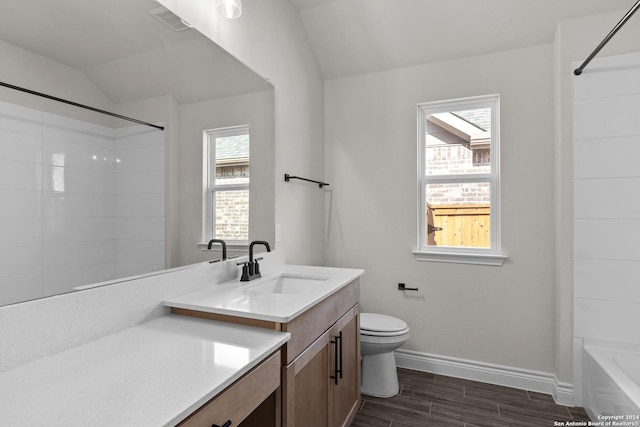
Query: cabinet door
305	387
346	390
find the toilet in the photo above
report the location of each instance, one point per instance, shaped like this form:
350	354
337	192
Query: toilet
380	335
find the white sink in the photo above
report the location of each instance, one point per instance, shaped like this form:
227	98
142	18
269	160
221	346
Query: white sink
288	284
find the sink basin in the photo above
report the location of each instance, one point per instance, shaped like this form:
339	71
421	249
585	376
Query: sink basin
288	284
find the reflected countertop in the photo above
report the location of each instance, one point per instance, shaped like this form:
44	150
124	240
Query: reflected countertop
152	374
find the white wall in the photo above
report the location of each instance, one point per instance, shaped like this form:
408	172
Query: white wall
270	39
501	315
606	206
28	70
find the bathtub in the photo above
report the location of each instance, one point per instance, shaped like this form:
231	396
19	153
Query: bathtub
611	381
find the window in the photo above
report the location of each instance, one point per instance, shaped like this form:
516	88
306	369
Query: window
226	195
458	178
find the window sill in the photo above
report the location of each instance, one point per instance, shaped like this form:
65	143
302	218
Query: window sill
460	258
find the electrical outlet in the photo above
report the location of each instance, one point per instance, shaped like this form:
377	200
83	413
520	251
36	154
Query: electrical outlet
278	233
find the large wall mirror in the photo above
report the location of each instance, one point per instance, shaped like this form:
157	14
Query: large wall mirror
87	198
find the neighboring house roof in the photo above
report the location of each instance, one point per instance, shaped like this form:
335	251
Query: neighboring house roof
479	117
472	126
232	148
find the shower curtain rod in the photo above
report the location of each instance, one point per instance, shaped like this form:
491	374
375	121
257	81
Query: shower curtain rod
624	19
75	104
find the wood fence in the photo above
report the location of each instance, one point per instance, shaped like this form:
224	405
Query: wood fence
459	225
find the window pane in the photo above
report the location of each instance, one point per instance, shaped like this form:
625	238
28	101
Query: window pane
232	160
232	215
458	142
458	215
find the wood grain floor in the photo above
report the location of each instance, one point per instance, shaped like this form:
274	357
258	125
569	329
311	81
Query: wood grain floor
427	399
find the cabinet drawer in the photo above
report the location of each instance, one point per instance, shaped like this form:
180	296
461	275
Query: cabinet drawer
241	398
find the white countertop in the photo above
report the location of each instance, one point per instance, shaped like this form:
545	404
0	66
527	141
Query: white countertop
236	298
152	374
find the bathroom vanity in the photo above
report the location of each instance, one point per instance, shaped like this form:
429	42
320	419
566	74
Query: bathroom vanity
321	360
192	347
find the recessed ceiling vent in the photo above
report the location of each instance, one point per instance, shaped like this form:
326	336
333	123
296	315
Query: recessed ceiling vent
170	19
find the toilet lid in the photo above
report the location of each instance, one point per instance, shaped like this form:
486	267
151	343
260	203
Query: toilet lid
374	322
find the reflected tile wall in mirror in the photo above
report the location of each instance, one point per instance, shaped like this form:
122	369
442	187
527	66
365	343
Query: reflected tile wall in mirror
80	203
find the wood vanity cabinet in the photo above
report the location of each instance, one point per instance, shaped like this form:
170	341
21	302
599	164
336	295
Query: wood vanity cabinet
321	386
321	372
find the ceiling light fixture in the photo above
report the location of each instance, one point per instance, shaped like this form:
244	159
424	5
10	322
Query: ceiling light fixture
231	9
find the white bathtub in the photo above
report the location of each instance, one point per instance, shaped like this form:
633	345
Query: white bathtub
611	380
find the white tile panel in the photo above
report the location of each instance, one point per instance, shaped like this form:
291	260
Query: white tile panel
138	205
73	155
607	320
77	205
20	260
609	280
609	76
20	175
607	117
60	230
140	228
607	157
20	204
611	198
140	159
138	182
20	232
140	251
71	180
77	254
607	239
20	147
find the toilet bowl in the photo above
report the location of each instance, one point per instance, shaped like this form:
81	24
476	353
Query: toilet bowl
380	335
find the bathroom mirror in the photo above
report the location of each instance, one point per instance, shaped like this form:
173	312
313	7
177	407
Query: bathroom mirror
134	58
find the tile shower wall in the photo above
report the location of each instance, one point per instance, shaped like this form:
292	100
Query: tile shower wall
139	201
606	201
73	200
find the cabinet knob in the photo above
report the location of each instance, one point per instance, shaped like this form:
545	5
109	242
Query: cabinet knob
227	424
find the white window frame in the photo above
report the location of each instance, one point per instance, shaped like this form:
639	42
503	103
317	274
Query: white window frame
209	190
484	256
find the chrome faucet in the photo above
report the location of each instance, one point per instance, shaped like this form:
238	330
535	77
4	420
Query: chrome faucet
224	248
251	268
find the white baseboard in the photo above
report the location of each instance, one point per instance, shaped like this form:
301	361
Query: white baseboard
524	379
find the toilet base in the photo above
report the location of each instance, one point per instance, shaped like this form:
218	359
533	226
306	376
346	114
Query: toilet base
379	375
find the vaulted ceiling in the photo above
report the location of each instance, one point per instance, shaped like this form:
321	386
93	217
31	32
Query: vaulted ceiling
129	55
358	36
125	52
